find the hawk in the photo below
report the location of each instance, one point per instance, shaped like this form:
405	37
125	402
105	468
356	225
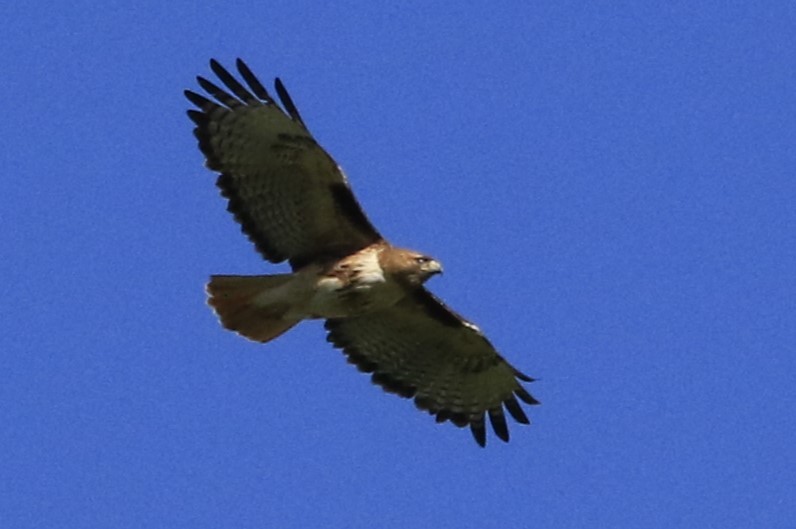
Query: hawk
295	204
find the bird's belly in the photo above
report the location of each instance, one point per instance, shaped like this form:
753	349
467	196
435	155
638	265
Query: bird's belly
333	299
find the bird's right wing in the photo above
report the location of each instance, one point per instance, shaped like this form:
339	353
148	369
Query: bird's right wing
420	348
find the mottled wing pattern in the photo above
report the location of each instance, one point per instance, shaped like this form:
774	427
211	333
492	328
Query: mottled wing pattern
420	348
288	194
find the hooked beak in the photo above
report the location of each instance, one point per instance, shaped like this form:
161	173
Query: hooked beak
435	267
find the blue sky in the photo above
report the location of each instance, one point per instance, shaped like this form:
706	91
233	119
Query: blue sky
611	191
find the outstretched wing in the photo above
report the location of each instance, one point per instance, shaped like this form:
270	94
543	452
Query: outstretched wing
420	348
288	194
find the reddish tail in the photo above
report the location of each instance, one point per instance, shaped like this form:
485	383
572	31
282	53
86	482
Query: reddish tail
243	305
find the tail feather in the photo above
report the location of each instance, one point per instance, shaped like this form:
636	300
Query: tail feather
252	305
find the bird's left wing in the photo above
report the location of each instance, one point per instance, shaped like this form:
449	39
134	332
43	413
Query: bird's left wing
420	348
288	194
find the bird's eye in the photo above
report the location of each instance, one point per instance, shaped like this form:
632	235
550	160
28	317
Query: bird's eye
422	260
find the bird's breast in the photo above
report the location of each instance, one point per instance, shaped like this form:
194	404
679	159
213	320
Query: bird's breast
356	293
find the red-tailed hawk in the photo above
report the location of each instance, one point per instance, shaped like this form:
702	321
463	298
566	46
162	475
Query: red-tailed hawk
294	203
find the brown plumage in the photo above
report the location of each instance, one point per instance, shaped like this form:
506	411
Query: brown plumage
294	203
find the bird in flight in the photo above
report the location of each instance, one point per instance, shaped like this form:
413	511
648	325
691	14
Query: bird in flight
295	204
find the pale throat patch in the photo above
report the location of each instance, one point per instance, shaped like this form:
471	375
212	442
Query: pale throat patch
369	269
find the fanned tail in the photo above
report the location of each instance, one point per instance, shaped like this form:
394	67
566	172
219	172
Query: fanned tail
253	306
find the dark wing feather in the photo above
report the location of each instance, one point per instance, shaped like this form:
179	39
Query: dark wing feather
420	348
288	194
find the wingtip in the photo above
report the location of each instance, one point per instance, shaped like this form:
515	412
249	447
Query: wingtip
479	432
526	397
253	82
217	67
198	100
287	101
515	410
498	421
190	95
522	376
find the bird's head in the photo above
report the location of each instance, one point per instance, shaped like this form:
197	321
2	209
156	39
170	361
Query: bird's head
412	267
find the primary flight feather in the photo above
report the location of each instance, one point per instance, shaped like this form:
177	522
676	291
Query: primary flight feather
295	204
